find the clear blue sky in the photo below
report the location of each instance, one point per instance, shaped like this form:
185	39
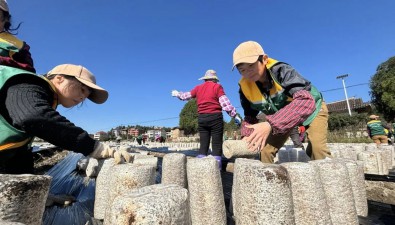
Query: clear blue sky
141	50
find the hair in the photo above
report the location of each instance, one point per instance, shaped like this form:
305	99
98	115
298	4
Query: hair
260	59
213	80
7	25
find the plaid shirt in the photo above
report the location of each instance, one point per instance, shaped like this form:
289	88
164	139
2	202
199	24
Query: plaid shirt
223	101
285	119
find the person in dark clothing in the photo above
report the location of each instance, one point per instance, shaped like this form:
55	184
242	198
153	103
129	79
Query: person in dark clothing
28	109
211	100
13	52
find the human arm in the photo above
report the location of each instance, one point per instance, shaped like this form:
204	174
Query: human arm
302	105
282	121
227	106
28	108
293	114
181	95
250	115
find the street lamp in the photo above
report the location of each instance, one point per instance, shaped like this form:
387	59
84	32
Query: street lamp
345	92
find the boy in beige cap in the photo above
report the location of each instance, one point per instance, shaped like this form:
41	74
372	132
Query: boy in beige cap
28	109
13	52
285	97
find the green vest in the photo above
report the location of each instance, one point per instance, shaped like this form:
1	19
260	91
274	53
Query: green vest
9	44
10	137
277	99
376	128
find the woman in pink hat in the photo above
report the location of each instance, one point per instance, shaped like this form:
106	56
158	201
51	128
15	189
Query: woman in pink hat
28	109
211	100
13	52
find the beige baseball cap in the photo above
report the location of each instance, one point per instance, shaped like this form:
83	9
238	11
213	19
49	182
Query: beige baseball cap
98	94
247	52
4	5
373	117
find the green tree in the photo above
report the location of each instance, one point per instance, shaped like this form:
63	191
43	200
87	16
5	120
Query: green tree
383	89
231	125
189	118
344	121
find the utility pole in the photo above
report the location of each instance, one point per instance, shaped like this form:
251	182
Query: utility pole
345	92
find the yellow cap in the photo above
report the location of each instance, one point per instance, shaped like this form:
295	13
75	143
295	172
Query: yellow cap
247	52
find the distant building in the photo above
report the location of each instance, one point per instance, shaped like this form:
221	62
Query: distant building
176	134
356	105
133	132
100	135
156	133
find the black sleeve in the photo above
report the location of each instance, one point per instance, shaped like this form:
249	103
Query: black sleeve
290	79
29	109
248	111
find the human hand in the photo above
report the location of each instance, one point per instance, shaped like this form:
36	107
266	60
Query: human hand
244	131
257	139
102	151
174	93
121	156
238	120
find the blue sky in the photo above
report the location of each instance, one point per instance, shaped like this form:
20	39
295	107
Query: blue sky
140	50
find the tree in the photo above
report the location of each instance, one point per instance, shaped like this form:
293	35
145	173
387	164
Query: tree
344	121
189	118
231	126
383	89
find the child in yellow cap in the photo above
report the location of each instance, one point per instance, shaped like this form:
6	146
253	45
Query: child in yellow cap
285	97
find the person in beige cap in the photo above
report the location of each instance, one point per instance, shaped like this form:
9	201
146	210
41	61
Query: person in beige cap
285	97
28	109
13	52
376	130
211	100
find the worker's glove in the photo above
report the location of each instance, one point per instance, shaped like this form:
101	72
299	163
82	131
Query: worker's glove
122	156
238	120
102	151
174	93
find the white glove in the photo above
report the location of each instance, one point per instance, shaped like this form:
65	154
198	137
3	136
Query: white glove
174	93
122	156
102	151
238	120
